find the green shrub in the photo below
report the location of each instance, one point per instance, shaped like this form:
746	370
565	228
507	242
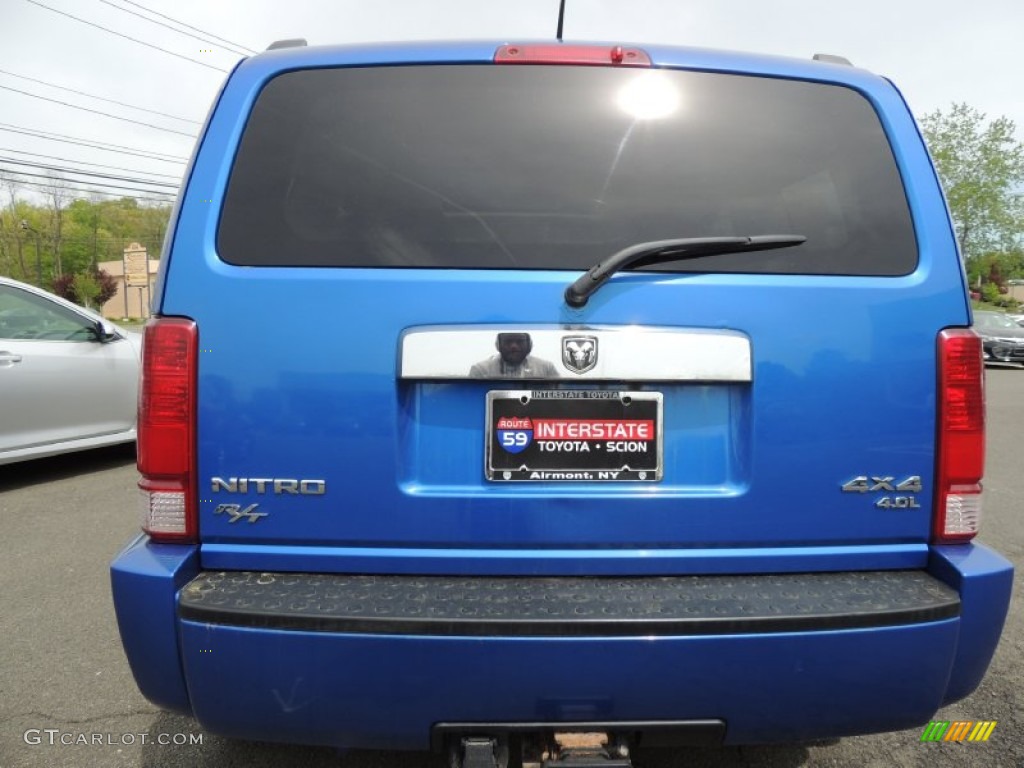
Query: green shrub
990	293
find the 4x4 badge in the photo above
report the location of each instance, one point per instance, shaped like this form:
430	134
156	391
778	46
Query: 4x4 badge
579	353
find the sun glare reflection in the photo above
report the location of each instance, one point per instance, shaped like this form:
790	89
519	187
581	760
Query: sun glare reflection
649	96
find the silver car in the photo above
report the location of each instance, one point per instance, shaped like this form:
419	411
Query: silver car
1002	338
68	377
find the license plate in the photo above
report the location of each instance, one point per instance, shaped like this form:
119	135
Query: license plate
571	435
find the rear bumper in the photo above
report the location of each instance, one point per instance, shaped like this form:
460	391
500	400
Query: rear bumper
145	579
378	662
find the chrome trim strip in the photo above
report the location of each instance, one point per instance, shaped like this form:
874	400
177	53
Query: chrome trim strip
625	353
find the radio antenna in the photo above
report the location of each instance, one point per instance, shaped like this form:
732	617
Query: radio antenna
561	19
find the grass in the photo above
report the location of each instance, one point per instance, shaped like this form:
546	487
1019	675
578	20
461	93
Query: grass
984	305
133	324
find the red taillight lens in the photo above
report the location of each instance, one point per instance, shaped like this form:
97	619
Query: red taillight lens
167	429
559	53
961	436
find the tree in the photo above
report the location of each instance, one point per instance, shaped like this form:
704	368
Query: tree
71	237
87	288
91	288
10	232
57	195
981	165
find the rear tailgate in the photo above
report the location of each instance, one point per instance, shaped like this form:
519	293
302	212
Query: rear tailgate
375	241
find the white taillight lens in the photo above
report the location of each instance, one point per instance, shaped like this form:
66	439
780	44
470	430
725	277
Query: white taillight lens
166	445
163	512
960	444
963	511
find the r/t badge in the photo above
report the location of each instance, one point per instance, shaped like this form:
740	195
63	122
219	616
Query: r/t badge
236	512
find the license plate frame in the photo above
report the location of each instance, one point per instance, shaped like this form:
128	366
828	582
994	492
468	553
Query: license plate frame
536	435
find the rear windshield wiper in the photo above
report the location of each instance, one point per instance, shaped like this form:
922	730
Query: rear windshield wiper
658	251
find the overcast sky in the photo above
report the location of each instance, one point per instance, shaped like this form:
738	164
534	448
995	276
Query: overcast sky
937	52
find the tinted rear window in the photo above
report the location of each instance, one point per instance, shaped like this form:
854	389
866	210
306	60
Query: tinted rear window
535	167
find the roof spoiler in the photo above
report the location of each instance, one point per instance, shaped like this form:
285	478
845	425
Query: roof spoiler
292	42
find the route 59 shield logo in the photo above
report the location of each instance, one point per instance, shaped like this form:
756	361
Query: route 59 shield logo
579	353
514	435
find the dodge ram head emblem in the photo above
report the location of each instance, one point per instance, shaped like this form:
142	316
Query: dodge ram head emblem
579	353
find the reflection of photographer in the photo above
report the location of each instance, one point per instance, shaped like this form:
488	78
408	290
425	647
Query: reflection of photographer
513	361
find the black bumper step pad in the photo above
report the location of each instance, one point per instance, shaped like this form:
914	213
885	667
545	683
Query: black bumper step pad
566	606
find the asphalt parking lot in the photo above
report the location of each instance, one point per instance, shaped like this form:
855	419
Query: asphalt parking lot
62	670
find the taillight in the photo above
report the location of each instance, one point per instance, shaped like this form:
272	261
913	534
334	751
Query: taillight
961	436
166	446
560	53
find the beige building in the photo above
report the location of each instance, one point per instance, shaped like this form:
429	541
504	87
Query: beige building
128	302
1016	290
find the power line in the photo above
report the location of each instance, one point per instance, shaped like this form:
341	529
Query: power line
126	37
34	131
58	182
88	238
183	24
73	171
98	98
79	192
96	165
97	112
100	145
158	197
168	26
104	241
80	183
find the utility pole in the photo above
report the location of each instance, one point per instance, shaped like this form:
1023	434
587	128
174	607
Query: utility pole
39	264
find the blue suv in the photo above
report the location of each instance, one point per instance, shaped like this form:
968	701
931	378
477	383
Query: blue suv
522	399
